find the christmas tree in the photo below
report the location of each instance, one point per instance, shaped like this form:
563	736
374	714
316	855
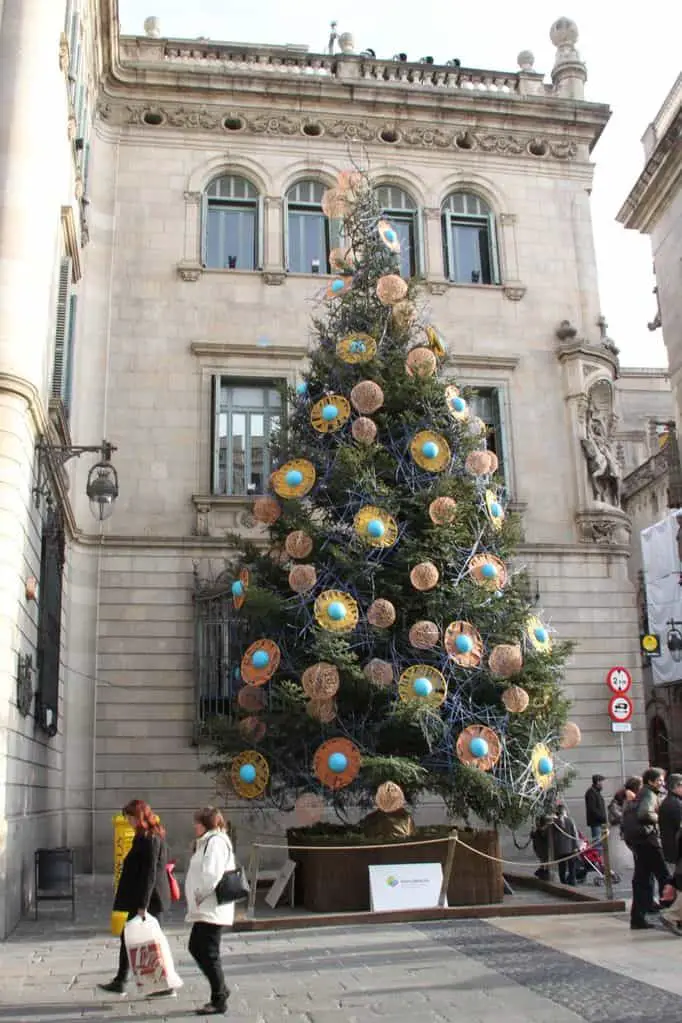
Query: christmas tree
389	649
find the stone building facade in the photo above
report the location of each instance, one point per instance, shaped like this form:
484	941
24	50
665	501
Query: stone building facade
207	250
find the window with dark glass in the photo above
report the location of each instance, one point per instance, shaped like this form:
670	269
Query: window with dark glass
485	403
469	240
400	208
247	416
231	224
308	231
50	621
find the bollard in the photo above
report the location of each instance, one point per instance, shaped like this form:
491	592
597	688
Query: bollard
551	866
606	854
123	839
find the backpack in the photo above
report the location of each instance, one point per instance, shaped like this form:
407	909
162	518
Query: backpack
614	812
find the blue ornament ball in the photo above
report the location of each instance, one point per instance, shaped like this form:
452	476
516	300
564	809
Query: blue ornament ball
496	510
247	774
329	412
260	659
337	286
540	634
301	388
337	762
430	449
464	643
294	478
237	588
458	404
390	235
478	747
336	611
422	687
375	528
545	766
488	571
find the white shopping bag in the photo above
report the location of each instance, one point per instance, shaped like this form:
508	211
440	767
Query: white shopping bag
150	956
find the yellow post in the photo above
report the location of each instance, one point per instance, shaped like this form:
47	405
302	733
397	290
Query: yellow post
123	839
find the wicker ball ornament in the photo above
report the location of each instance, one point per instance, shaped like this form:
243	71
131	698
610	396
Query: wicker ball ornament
391	289
424	576
381	614
252	729
251	699
367	397
350	182
421	362
442	511
424	634
364	430
320	681
266	510
308	809
302	578
298	544
334	203
515	699
389	797
379	672
571	735
323	711
505	660
481	463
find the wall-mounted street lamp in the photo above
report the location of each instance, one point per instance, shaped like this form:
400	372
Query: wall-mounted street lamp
102	484
674	640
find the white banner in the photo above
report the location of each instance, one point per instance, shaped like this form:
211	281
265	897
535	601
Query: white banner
662	568
405	886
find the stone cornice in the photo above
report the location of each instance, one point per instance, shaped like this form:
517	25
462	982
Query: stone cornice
222	350
651	471
658	183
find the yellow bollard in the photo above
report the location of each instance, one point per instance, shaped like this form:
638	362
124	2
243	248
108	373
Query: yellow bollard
123	839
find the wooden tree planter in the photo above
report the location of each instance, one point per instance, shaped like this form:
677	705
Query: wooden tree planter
337	880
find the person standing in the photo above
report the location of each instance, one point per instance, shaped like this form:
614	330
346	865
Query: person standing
670	819
565	844
143	885
595	808
642	836
213	856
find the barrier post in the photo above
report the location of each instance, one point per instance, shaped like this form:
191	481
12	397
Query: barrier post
606	852
123	839
551	866
252	874
449	862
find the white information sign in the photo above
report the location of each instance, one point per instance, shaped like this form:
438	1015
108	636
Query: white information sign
621	726
404	886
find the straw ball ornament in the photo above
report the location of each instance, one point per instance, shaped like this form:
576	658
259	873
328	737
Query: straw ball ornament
487	570
356	348
350	181
298	544
481	463
375	526
389	236
463	644
424	576
542	765
442	511
515	699
571	735
339	286
391	289
260	662
424	635
422	684
320	681
294	479
252	729
364	430
334	203
366	397
421	362
302	578
379	672
249	774
403	314
457	406
389	797
430	451
323	711
478	746
330	413
308	809
266	510
251	699
336	611
336	763
381	614
505	660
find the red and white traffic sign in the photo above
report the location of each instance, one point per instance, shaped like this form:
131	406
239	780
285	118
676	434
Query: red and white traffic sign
619	680
620	708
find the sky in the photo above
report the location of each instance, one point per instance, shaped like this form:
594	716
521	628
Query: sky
632	62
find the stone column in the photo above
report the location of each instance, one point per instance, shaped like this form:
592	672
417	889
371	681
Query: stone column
273	234
436	275
35	177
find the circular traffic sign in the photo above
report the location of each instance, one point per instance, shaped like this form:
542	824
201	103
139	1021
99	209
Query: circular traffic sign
619	680
620	708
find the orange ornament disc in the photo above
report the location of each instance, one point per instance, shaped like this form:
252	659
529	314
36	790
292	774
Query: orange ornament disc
260	662
337	763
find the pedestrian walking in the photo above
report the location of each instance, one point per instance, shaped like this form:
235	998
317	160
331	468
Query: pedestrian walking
670	819
143	886
595	807
642	836
213	856
566	844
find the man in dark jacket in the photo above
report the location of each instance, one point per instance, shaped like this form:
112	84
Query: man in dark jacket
595	807
565	844
670	818
642	836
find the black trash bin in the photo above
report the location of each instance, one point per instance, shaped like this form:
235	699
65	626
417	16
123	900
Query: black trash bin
54	878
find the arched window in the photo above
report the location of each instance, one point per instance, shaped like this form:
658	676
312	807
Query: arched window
469	242
307	233
400	208
232	225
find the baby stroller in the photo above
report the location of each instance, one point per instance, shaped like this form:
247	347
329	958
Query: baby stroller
591	861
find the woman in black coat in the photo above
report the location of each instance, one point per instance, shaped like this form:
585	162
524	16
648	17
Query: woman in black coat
143	885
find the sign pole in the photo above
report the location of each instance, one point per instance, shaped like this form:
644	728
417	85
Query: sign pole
622	755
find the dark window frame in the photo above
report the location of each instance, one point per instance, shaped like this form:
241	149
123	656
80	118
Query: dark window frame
52	557
274	418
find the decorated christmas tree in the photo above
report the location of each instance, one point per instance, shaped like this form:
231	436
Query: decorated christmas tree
389	649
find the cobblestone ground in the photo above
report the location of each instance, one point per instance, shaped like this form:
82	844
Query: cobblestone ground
534	970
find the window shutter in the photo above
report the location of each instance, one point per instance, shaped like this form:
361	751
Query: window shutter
494	255
419	236
203	229
215	433
260	233
62	329
70	342
285	231
448	254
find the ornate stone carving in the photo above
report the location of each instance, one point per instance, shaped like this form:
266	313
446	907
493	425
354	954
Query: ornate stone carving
432	212
599	446
202	526
566	331
428	138
437	287
604	528
24	684
514	291
351	130
71	128
188	271
273	277
280	125
193	197
508	145
64	55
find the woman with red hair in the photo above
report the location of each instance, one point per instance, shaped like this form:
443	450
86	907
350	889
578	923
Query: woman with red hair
143	885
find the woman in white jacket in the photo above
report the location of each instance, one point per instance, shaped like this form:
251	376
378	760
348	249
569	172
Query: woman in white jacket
213	855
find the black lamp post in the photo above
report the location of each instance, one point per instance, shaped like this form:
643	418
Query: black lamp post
674	640
102	484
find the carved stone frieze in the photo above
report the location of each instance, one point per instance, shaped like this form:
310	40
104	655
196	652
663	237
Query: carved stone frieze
64	55
273	277
193	198
514	291
420	136
189	271
604	528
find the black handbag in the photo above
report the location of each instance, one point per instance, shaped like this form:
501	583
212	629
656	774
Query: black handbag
233	886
